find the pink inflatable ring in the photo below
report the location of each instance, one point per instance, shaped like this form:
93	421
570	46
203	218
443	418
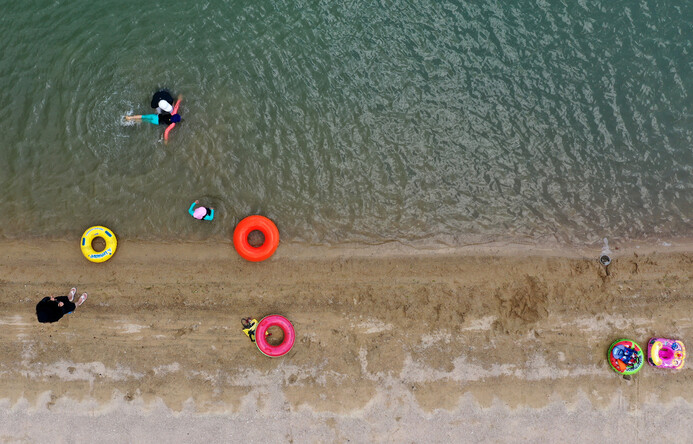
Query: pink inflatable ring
274	351
666	353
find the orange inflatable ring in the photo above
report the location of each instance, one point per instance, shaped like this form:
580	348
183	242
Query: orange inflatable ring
274	351
263	225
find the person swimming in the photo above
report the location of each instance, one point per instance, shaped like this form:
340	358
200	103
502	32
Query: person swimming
166	113
201	212
157	119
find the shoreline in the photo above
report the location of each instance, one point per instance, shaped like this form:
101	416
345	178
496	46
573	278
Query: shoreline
443	341
396	248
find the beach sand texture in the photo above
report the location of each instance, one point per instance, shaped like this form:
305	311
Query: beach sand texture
496	345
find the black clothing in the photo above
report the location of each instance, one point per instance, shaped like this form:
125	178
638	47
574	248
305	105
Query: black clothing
161	95
165	119
48	311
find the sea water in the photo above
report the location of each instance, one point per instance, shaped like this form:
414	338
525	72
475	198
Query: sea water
350	121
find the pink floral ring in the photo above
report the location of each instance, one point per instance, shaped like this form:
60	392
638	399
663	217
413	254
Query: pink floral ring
666	353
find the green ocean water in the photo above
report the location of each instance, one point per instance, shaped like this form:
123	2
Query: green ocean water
353	121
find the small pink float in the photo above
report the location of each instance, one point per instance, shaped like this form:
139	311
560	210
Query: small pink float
666	353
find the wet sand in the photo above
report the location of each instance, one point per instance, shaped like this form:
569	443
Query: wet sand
498	343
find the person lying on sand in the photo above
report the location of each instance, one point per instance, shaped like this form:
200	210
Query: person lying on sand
51	309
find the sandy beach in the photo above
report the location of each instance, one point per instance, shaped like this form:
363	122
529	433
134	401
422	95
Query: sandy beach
491	343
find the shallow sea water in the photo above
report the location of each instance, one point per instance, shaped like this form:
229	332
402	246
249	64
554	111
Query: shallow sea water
355	121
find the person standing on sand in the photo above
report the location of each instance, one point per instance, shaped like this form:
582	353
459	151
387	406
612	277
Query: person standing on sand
605	257
51	309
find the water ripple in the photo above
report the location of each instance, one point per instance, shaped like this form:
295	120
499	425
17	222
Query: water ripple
352	121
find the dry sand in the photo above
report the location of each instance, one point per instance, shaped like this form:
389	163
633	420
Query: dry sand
500	344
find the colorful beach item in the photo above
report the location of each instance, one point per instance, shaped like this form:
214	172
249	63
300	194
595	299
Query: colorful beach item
274	351
104	233
666	353
249	327
248	225
171	126
626	357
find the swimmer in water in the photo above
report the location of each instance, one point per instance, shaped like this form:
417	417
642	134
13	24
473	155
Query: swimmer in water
162	101
201	213
157	119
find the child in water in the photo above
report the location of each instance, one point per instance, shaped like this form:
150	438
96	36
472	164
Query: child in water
201	213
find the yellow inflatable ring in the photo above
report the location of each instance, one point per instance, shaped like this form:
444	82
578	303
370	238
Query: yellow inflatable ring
105	234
